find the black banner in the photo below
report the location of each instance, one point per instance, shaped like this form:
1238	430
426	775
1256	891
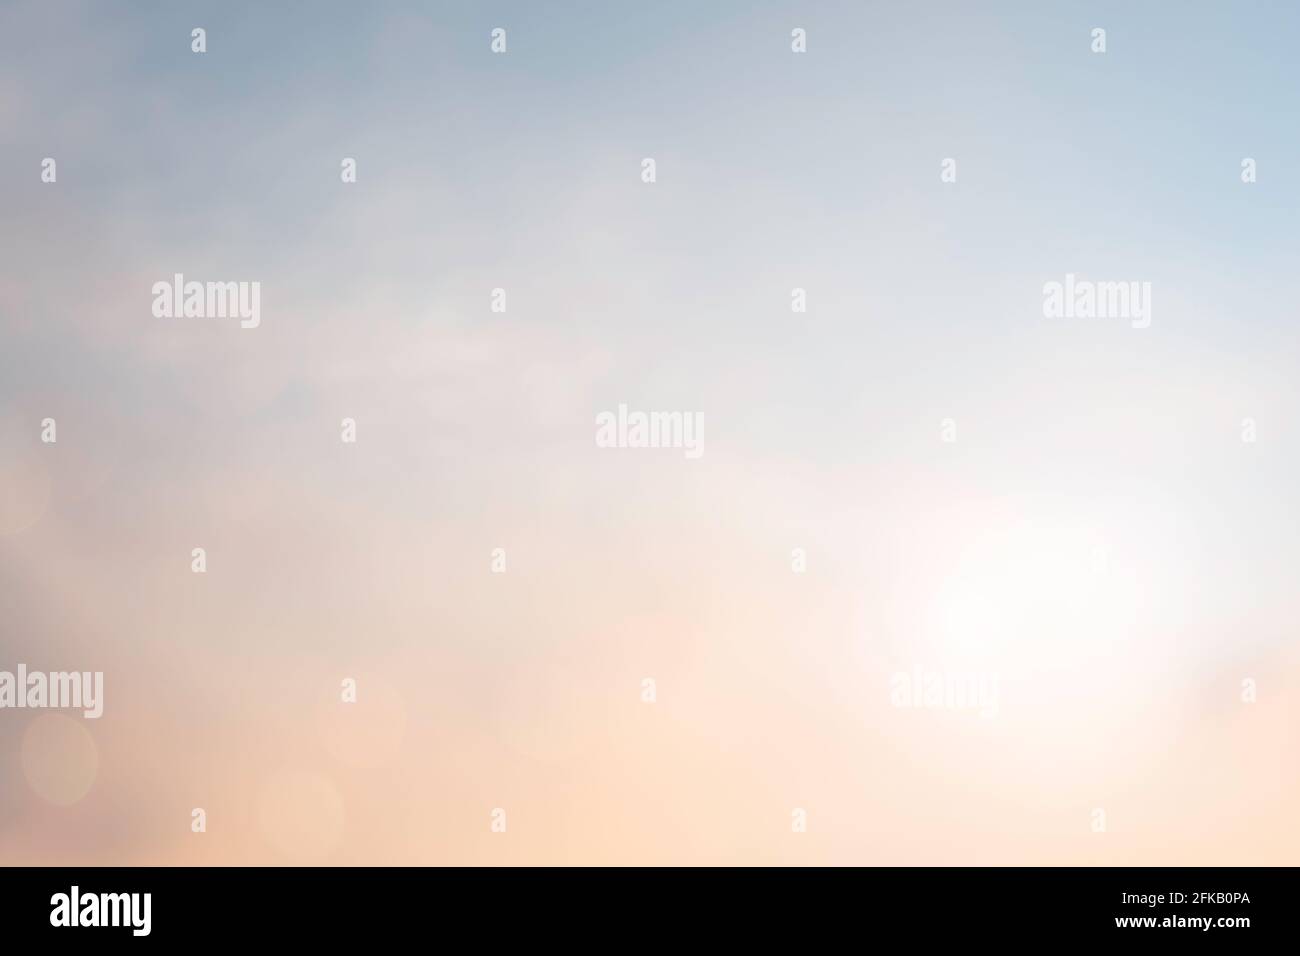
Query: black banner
1228	907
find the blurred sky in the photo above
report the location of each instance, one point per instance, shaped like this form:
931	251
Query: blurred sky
1076	438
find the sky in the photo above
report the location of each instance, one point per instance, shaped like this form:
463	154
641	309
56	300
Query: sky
1068	508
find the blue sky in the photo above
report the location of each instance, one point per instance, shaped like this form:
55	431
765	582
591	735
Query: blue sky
775	171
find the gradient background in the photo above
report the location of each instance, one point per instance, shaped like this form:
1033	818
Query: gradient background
1119	686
